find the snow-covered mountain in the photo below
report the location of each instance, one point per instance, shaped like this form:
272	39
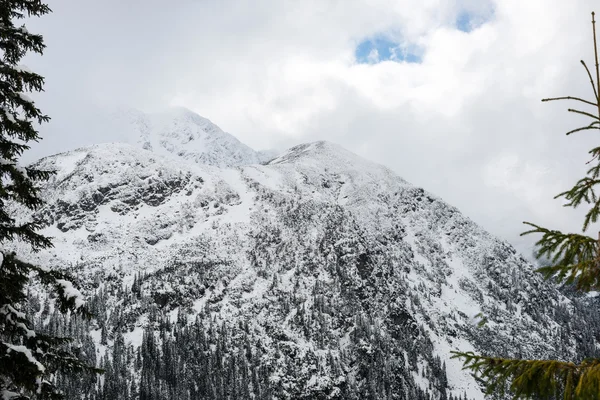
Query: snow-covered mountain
316	275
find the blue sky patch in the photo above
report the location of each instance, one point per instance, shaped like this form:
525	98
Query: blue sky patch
378	49
468	21
464	22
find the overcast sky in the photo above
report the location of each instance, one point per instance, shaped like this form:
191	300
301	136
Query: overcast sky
445	93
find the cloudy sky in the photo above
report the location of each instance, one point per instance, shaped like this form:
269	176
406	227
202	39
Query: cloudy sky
445	92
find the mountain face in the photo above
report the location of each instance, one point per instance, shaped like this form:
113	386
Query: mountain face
317	275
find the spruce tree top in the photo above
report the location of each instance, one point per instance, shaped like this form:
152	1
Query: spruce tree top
18	116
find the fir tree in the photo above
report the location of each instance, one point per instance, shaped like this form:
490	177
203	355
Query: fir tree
29	358
574	260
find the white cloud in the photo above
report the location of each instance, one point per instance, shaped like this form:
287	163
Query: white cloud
275	73
373	56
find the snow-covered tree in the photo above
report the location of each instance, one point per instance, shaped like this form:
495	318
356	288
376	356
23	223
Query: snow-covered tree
28	358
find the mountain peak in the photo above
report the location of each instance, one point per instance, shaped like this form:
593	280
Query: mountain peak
181	133
182	114
319	149
327	156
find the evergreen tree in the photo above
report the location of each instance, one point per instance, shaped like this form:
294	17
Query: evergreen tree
574	260
28	358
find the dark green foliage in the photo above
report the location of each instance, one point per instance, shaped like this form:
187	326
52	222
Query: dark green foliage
573	259
29	358
537	378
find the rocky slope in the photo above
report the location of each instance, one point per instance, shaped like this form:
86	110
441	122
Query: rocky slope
316	275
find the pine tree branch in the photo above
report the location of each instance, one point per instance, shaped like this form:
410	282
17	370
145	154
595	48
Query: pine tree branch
592	215
583	191
597	65
535	378
69	298
565	247
585	274
590	126
571	98
595	170
574	257
584	113
591	80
